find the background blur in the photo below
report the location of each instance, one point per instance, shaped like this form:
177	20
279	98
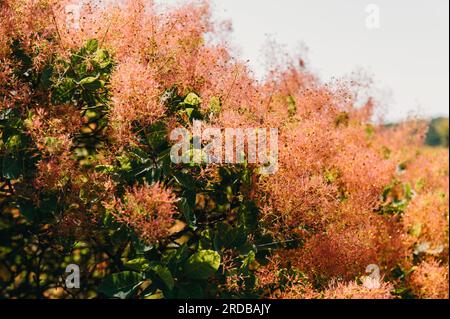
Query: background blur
407	56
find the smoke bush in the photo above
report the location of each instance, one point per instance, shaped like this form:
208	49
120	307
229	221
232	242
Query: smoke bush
86	177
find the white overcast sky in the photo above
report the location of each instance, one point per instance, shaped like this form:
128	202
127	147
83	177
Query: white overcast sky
407	57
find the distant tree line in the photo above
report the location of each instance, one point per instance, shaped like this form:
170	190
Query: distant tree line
438	132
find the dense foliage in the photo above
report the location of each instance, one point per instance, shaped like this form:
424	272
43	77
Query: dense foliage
438	132
86	176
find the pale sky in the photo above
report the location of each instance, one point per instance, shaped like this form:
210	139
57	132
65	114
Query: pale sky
407	56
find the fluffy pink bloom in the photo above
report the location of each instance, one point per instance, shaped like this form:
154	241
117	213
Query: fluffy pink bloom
148	209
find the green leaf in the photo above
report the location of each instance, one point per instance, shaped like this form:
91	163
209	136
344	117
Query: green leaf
186	207
11	168
248	215
185	180
63	91
93	115
192	99
91	83
157	136
202	265
189	111
107	169
416	229
120	285
165	275
102	59
215	105
91	45
248	261
155	295
14	142
138	264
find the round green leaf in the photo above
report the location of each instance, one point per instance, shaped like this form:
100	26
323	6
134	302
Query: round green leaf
202	265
